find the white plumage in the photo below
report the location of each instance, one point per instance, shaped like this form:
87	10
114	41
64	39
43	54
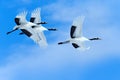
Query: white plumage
77	39
35	18
33	28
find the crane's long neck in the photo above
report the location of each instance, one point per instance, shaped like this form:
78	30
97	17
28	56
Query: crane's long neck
12	31
65	42
95	39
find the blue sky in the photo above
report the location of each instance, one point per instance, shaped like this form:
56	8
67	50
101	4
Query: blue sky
22	59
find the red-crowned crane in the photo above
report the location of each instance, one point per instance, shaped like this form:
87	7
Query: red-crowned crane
77	39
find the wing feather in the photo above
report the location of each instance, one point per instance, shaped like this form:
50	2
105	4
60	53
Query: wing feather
78	22
21	18
42	42
35	16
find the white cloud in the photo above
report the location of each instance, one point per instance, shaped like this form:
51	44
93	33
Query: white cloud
55	58
62	11
48	60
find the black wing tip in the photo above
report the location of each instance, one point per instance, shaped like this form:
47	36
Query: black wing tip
32	19
73	28
17	21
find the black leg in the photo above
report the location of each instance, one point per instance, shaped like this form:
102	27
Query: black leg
95	39
52	29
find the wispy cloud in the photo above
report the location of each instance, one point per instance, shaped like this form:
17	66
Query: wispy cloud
64	11
52	59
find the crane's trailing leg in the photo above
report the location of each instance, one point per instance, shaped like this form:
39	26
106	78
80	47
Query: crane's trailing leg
95	39
52	29
41	23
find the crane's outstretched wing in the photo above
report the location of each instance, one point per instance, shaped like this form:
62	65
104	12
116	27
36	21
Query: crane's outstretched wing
42	42
76	29
35	16
21	18
39	38
36	37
